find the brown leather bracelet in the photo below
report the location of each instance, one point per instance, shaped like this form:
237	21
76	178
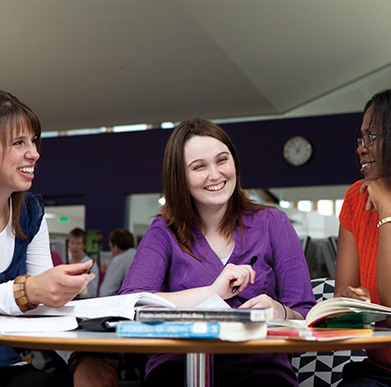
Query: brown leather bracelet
20	294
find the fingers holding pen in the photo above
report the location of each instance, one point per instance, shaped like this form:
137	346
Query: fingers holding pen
240	282
251	263
231	276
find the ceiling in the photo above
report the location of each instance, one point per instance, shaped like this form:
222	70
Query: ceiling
88	64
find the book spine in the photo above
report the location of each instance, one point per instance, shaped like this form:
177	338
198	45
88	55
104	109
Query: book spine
207	330
194	315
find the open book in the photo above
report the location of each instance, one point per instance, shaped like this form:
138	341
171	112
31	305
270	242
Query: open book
342	312
71	315
123	305
332	319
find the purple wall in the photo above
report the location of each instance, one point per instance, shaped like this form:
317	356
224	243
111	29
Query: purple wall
100	170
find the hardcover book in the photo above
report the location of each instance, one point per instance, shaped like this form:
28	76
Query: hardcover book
228	331
316	334
156	314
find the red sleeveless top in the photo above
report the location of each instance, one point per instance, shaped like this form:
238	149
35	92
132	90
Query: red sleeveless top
363	225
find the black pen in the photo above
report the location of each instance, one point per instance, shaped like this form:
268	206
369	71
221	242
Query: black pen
252	261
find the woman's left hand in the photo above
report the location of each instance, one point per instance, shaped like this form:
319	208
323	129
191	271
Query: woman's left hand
58	285
379	197
264	301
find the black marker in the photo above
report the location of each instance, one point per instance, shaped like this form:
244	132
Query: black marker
252	261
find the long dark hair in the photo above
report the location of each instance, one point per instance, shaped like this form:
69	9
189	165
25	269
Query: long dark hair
381	118
14	117
179	210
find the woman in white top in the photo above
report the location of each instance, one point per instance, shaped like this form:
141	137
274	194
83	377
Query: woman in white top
27	276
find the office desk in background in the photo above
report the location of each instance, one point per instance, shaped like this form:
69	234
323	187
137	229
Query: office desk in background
196	350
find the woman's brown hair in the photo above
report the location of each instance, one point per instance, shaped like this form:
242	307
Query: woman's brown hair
179	210
14	117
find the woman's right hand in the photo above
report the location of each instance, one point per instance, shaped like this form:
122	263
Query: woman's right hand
55	287
233	275
359	293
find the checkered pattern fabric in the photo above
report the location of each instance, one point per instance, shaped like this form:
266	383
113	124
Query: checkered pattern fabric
318	369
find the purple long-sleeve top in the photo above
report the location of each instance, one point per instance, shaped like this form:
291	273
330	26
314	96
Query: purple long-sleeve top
160	265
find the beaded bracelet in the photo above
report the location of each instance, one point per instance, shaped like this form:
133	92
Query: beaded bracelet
20	294
383	221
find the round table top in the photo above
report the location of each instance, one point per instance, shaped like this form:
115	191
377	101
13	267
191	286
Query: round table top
110	342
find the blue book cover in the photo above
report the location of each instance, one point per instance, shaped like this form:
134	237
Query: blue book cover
230	331
169	329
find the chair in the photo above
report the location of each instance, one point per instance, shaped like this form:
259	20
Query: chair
56	258
101	278
318	369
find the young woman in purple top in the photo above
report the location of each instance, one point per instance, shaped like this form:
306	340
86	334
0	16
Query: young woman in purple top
201	243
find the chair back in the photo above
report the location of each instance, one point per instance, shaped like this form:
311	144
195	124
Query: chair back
318	369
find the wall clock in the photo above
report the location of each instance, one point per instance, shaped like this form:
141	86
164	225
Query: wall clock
297	150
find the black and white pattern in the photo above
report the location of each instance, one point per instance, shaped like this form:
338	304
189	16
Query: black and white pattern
318	369
323	288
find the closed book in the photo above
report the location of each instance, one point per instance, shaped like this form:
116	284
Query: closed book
316	334
24	323
157	314
228	331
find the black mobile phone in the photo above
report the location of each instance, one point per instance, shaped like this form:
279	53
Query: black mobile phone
87	271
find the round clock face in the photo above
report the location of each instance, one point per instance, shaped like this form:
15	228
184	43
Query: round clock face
297	150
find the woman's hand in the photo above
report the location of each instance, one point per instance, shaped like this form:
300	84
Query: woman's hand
233	275
379	197
56	286
264	301
280	311
359	293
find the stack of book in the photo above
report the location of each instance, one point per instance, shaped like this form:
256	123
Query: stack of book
146	315
149	315
207	323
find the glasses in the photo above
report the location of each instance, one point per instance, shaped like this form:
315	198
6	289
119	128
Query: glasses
366	140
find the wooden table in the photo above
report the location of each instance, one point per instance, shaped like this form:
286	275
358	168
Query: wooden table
195	349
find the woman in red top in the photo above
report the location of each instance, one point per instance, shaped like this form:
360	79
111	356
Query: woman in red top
363	268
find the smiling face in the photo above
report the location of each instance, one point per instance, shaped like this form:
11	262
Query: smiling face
210	171
370	157
18	156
